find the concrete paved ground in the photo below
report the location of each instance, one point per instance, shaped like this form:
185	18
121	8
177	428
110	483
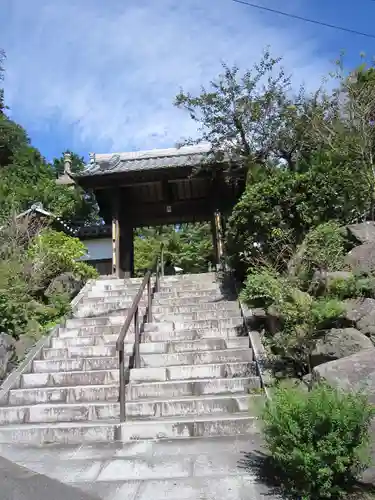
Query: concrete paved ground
204	469
18	483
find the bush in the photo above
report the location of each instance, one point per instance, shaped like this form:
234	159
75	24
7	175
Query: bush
317	439
54	253
323	249
14	298
353	287
285	205
263	288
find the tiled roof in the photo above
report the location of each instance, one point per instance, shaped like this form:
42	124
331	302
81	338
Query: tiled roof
102	164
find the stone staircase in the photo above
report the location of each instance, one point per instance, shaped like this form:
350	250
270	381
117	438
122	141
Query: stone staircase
197	376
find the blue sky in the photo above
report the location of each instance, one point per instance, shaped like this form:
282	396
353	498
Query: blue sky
90	75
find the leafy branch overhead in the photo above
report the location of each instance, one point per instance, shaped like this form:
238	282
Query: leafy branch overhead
253	116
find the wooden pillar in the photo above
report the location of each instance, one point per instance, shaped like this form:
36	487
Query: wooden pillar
214	240
219	231
217	237
116	235
127	249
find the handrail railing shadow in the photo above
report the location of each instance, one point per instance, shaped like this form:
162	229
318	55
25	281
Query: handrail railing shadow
156	268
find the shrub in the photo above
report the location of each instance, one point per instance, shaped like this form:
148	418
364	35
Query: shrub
54	253
324	311
324	248
294	203
264	287
317	440
303	321
352	287
14	298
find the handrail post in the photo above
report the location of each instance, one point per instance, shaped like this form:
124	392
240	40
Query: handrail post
136	339
133	315
149	301
122	384
157	281
162	260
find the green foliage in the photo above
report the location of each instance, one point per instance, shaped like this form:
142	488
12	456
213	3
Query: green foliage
317	439
254	116
326	310
324	248
50	314
286	205
56	253
301	318
263	288
352	287
27	178
188	246
14	298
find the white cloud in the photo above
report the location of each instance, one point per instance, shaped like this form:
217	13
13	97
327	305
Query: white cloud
108	71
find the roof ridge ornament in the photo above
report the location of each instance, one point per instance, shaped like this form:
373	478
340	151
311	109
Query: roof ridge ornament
67	163
114	161
92	159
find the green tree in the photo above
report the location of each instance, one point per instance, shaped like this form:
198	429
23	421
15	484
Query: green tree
188	246
253	118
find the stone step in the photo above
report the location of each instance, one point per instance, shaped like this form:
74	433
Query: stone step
167	316
165	428
181	301
69	378
135	410
105	358
147	359
64	433
103	320
191	287
164	286
196	315
167	334
190	372
84	331
207	294
52	395
194	324
95	294
223	305
92	311
196	358
172	389
202	333
188	427
77	364
110	392
152	347
72	352
121	302
186	277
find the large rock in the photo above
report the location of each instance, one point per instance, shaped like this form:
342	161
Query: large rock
339	343
362	258
363	232
361	313
65	283
7	354
352	373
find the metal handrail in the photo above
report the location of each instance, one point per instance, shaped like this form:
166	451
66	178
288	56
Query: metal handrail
133	315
